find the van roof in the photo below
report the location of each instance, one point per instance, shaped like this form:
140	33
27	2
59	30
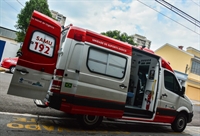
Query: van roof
101	40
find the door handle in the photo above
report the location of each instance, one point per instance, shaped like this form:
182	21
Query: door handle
122	86
22	71
164	95
77	71
19	53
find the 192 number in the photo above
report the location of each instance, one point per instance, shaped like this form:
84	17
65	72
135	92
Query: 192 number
42	47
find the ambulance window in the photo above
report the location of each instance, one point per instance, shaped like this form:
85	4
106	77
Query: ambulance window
106	63
63	36
76	57
42	43
171	83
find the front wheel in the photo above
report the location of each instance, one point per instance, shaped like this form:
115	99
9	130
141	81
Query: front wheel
89	121
179	123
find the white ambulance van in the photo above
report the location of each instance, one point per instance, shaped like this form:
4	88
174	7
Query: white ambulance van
81	72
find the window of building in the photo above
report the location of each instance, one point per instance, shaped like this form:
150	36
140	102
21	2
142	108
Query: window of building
171	83
106	63
59	18
195	67
141	42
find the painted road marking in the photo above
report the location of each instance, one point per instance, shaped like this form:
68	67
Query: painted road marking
48	123
31	124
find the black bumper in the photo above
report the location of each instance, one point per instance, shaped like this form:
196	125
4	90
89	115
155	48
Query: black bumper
190	115
54	100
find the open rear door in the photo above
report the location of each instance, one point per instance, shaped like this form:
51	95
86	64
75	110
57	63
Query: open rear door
35	67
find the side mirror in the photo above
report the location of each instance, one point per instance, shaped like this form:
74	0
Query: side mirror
182	91
19	54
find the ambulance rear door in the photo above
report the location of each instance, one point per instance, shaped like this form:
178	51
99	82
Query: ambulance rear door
37	62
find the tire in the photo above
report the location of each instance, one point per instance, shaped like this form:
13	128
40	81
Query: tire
179	123
12	69
89	121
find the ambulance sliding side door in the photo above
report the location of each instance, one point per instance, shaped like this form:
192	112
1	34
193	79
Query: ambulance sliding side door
37	62
106	84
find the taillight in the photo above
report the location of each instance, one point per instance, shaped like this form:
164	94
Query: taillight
59	72
55	90
56	86
78	37
47	104
57	82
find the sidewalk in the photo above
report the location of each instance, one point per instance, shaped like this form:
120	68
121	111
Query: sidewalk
2	69
195	102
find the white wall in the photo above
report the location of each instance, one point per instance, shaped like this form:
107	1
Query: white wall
10	49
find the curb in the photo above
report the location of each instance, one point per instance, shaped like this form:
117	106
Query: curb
2	69
197	104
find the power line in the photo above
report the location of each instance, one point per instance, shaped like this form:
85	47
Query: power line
179	12
168	17
10	5
195	3
20	3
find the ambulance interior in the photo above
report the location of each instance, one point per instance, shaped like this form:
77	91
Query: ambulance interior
144	71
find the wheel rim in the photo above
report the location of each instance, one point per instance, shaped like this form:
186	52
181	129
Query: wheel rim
12	70
181	123
90	120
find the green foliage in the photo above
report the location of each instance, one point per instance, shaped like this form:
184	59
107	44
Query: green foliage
120	36
25	15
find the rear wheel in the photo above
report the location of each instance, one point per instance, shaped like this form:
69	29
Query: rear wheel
179	123
89	121
12	69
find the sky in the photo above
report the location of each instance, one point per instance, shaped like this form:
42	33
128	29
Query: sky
144	17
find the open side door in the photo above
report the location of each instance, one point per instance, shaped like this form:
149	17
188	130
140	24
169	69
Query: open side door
143	88
35	67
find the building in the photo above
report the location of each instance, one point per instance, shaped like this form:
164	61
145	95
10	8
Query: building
8	45
142	41
59	17
187	62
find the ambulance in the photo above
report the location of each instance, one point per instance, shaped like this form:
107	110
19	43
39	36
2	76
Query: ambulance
95	77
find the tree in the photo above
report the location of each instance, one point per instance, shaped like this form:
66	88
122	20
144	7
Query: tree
120	36
25	15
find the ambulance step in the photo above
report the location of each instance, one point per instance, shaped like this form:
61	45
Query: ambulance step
128	114
40	103
132	111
